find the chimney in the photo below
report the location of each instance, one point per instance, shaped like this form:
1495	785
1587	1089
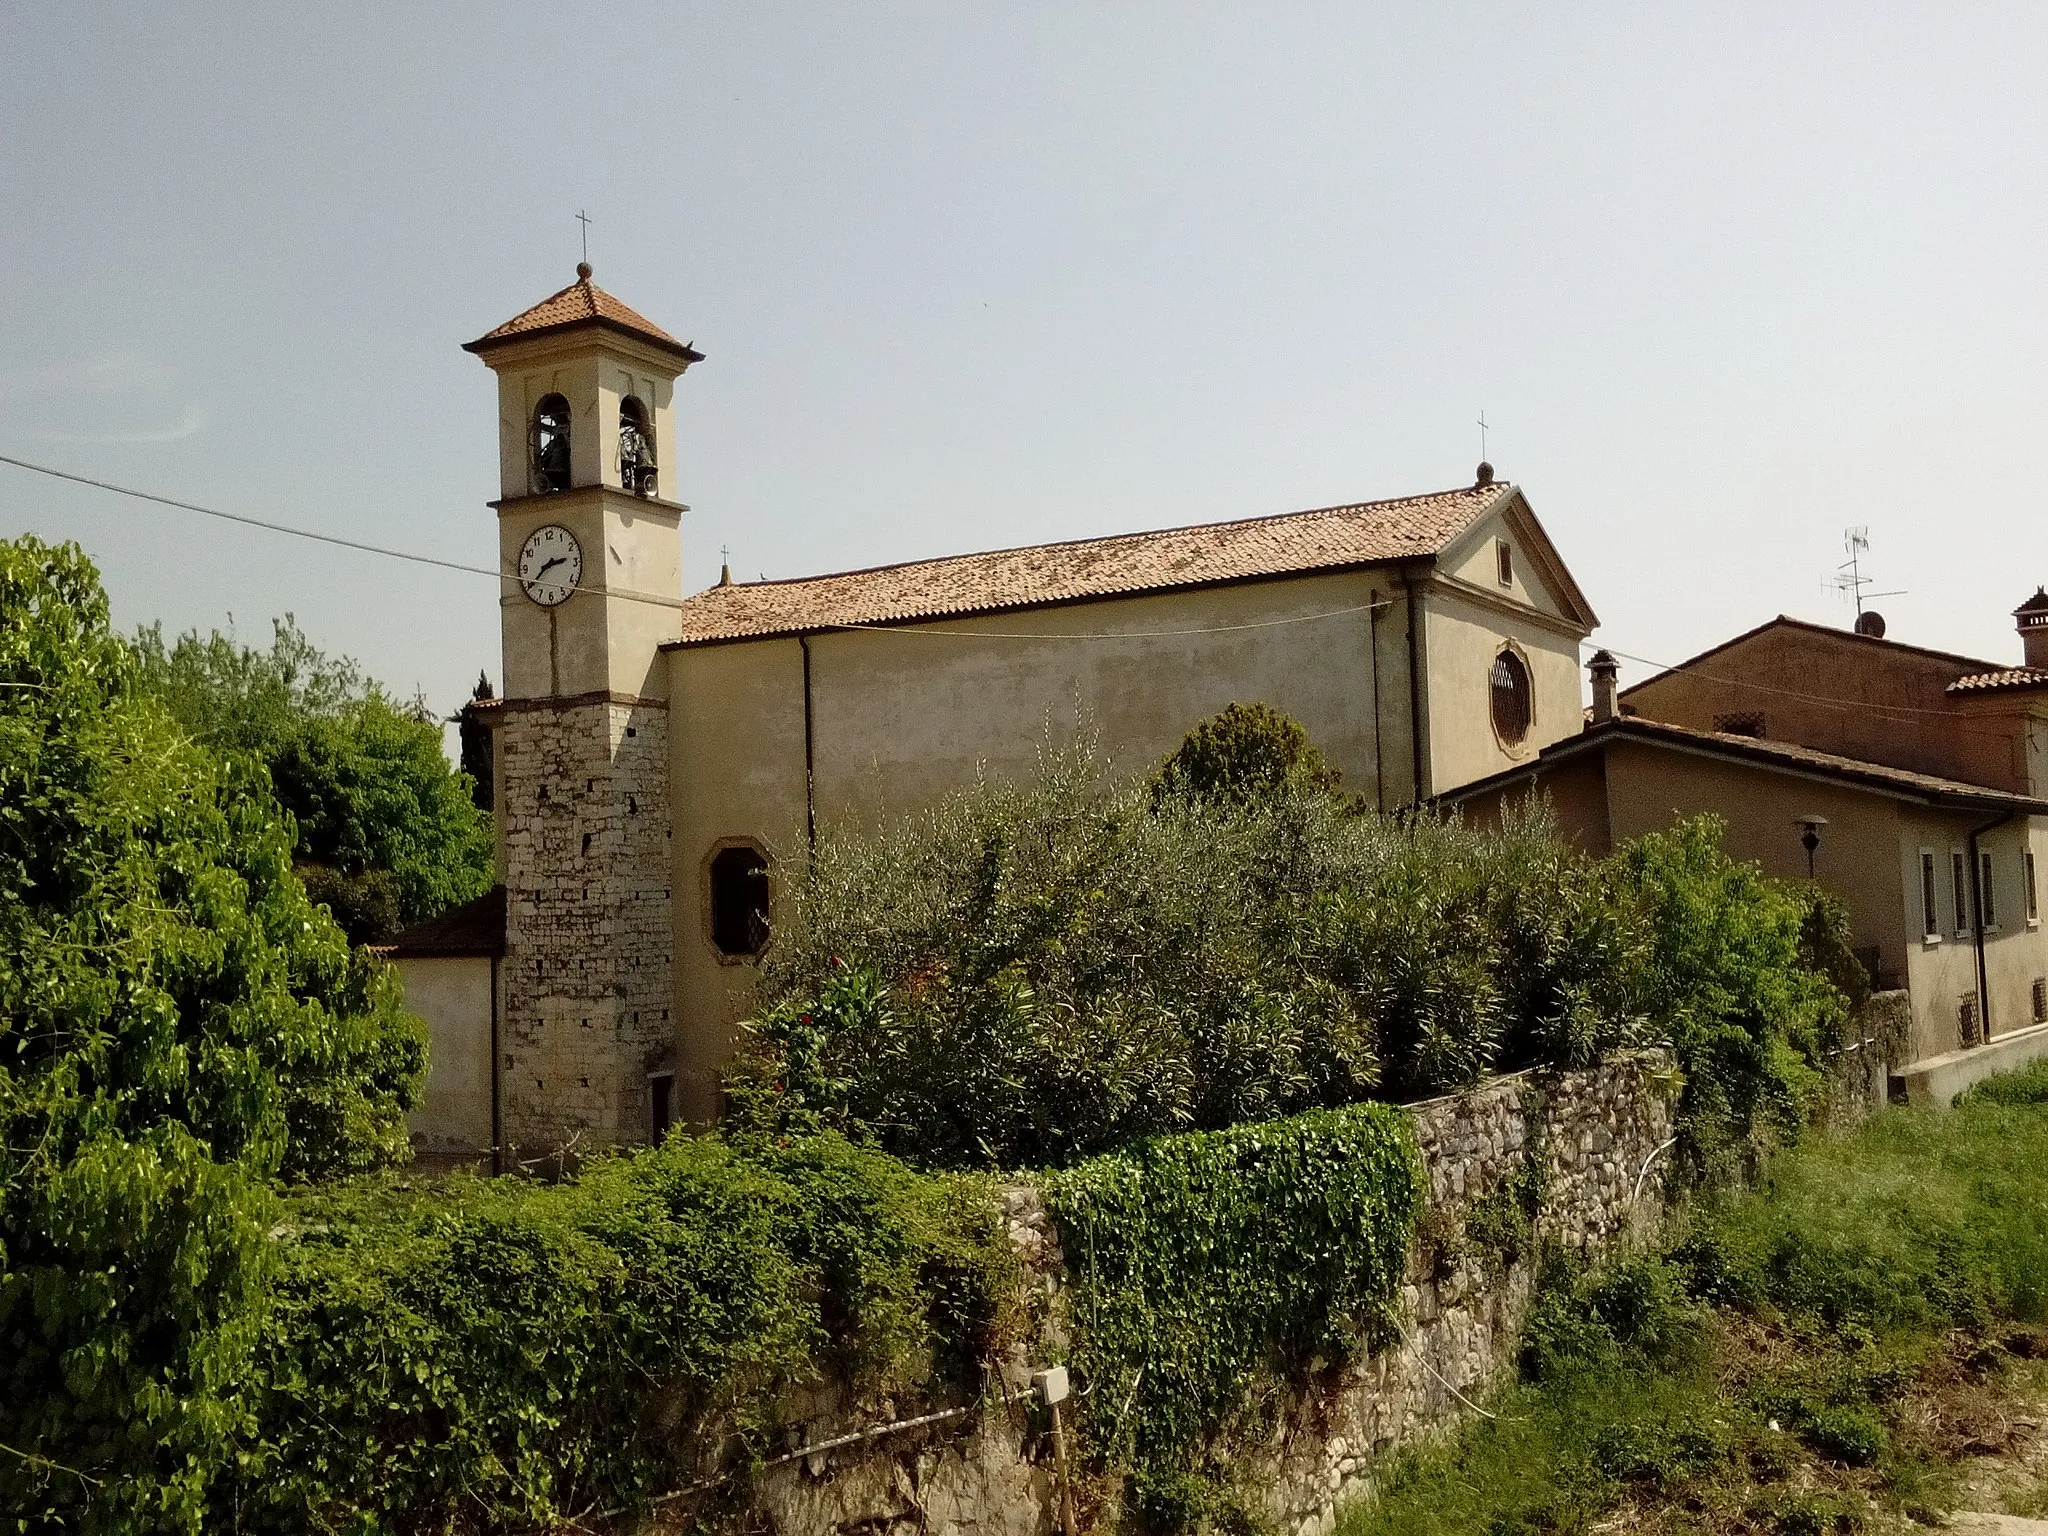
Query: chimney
2032	618
1605	670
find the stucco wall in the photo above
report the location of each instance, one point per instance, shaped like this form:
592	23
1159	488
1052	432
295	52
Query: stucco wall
453	995
1463	641
898	720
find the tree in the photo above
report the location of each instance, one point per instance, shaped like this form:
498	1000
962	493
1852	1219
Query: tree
1245	753
178	1027
388	834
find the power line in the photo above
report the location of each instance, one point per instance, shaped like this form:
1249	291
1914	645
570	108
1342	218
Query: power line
628	595
1691	670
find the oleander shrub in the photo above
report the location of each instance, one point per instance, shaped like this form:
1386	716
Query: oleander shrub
1039	972
1032	973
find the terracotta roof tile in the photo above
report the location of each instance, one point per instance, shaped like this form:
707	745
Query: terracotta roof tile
1767	753
581	303
1296	543
474	928
2008	677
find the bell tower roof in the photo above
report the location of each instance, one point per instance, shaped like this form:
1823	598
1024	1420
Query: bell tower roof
582	304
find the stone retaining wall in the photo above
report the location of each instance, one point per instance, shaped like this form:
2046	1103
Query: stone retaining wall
1594	1139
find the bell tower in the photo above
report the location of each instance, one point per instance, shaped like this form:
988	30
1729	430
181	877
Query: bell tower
589	541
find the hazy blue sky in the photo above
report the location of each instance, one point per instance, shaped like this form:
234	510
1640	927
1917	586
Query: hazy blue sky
1724	279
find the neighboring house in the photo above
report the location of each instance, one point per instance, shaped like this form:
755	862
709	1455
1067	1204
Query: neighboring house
658	757
452	973
1922	775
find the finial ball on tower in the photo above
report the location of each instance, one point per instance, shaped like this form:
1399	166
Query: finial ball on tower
583	270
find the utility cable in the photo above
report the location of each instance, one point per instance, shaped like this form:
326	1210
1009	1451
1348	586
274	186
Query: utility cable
655	598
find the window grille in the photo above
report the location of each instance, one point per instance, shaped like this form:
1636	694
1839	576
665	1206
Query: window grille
1986	902
739	901
1510	690
2041	999
1966	1020
1929	902
1959	879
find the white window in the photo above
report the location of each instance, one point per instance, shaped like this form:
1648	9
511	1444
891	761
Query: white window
1504	561
1930	901
2033	891
1987	904
1959	884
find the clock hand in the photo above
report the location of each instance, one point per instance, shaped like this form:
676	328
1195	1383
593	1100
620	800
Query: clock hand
558	560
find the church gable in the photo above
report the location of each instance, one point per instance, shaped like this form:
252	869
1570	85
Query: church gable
1505	556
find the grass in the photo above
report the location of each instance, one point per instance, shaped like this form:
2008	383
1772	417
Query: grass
1825	1353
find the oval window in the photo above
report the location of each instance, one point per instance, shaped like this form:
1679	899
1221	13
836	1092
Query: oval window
1511	704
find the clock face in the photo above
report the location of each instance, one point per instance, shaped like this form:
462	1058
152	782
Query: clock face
550	565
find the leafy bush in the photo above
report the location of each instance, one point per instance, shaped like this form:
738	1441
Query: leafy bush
180	1026
1245	753
1031	974
508	1355
1733	975
1207	1263
391	832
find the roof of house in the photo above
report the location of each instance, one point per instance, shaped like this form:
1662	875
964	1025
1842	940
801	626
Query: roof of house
474	928
1754	750
581	303
1293	544
2005	678
1971	664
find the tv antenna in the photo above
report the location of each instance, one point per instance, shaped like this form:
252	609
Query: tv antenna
1849	580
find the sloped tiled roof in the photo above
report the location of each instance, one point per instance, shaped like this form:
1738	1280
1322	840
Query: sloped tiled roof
474	928
2008	677
581	303
1763	753
1295	543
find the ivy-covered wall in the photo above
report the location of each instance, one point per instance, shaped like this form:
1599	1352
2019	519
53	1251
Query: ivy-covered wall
1187	1414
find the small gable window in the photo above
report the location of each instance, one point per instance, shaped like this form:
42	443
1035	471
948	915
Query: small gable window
636	448
550	445
739	901
1504	561
1511	703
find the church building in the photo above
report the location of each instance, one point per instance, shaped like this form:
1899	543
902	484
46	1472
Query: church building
659	759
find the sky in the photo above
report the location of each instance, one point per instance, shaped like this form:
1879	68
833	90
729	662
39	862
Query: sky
1725	281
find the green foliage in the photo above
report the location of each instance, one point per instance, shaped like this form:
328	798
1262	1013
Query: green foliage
1210	1262
1246	753
372	794
1502	1222
2029	1085
392	830
1732	975
504	1355
178	1026
1777	1342
1031	974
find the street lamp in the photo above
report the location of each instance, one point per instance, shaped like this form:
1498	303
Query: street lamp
1809	827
